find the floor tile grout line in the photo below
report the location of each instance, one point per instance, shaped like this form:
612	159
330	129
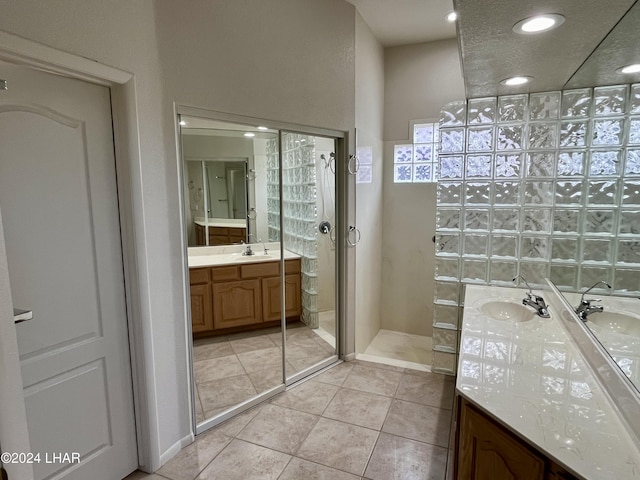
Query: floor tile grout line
364	470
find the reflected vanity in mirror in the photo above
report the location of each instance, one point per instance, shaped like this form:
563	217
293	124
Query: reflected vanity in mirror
262	288
614	322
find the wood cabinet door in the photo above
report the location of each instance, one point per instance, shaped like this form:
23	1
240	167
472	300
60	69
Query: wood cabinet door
201	314
236	303
271	297
488	452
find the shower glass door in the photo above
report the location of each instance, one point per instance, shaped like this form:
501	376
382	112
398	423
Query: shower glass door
308	226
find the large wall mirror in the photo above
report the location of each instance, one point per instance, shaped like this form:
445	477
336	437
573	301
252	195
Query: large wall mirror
608	303
260	220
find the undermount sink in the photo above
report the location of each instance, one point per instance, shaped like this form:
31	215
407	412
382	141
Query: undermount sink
507	311
616	322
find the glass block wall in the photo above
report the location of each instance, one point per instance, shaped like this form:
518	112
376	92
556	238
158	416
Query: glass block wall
299	208
542	185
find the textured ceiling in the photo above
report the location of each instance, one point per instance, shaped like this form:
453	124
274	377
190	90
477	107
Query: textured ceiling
402	22
491	51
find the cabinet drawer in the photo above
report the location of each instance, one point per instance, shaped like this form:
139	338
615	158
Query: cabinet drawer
292	266
218	240
268	269
199	275
219	274
218	231
237	232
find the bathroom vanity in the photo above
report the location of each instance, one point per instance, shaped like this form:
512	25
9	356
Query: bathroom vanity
232	292
528	405
221	232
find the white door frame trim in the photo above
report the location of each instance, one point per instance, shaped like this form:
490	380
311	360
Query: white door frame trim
22	51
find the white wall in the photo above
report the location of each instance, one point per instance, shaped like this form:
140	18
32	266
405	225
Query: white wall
277	59
419	80
369	117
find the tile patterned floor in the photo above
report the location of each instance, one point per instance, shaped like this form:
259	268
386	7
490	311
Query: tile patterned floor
357	420
232	368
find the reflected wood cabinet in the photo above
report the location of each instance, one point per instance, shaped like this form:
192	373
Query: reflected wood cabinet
220	235
485	450
241	297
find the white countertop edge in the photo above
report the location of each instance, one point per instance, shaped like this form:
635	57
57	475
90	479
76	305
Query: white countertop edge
606	451
232	255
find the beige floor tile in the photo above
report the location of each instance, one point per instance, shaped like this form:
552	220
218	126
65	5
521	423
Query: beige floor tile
263	380
192	459
233	426
299	469
418	422
304	339
373	380
310	397
256	360
245	461
225	392
335	375
250	344
279	428
215	368
360	408
429	389
339	445
400	458
382	366
214	349
300	363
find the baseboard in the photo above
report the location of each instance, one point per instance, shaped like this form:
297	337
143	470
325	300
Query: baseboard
175	448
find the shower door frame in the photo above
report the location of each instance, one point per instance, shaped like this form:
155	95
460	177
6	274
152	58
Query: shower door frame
343	144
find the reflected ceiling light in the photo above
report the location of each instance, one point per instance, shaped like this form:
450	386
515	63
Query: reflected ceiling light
635	68
249	134
538	24
451	17
182	123
513	81
263	128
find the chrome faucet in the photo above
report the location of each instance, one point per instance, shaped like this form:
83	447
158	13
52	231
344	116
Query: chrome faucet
247	251
585	308
258	240
535	301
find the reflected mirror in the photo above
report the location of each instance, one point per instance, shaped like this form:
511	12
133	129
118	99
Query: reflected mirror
614	322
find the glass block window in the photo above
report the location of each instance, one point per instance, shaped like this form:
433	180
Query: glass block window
417	162
546	185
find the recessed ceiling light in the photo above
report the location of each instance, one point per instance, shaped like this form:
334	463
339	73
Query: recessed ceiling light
635	68
513	81
538	24
451	17
263	128
249	134
182	123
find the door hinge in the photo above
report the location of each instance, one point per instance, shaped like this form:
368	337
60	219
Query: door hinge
3	86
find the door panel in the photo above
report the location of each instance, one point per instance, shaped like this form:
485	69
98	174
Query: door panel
60	216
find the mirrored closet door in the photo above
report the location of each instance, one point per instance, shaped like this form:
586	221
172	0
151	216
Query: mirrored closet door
260	223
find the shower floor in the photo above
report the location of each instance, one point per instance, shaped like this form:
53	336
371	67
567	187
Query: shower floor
399	349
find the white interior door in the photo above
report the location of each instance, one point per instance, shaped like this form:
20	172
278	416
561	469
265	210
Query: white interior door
60	216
